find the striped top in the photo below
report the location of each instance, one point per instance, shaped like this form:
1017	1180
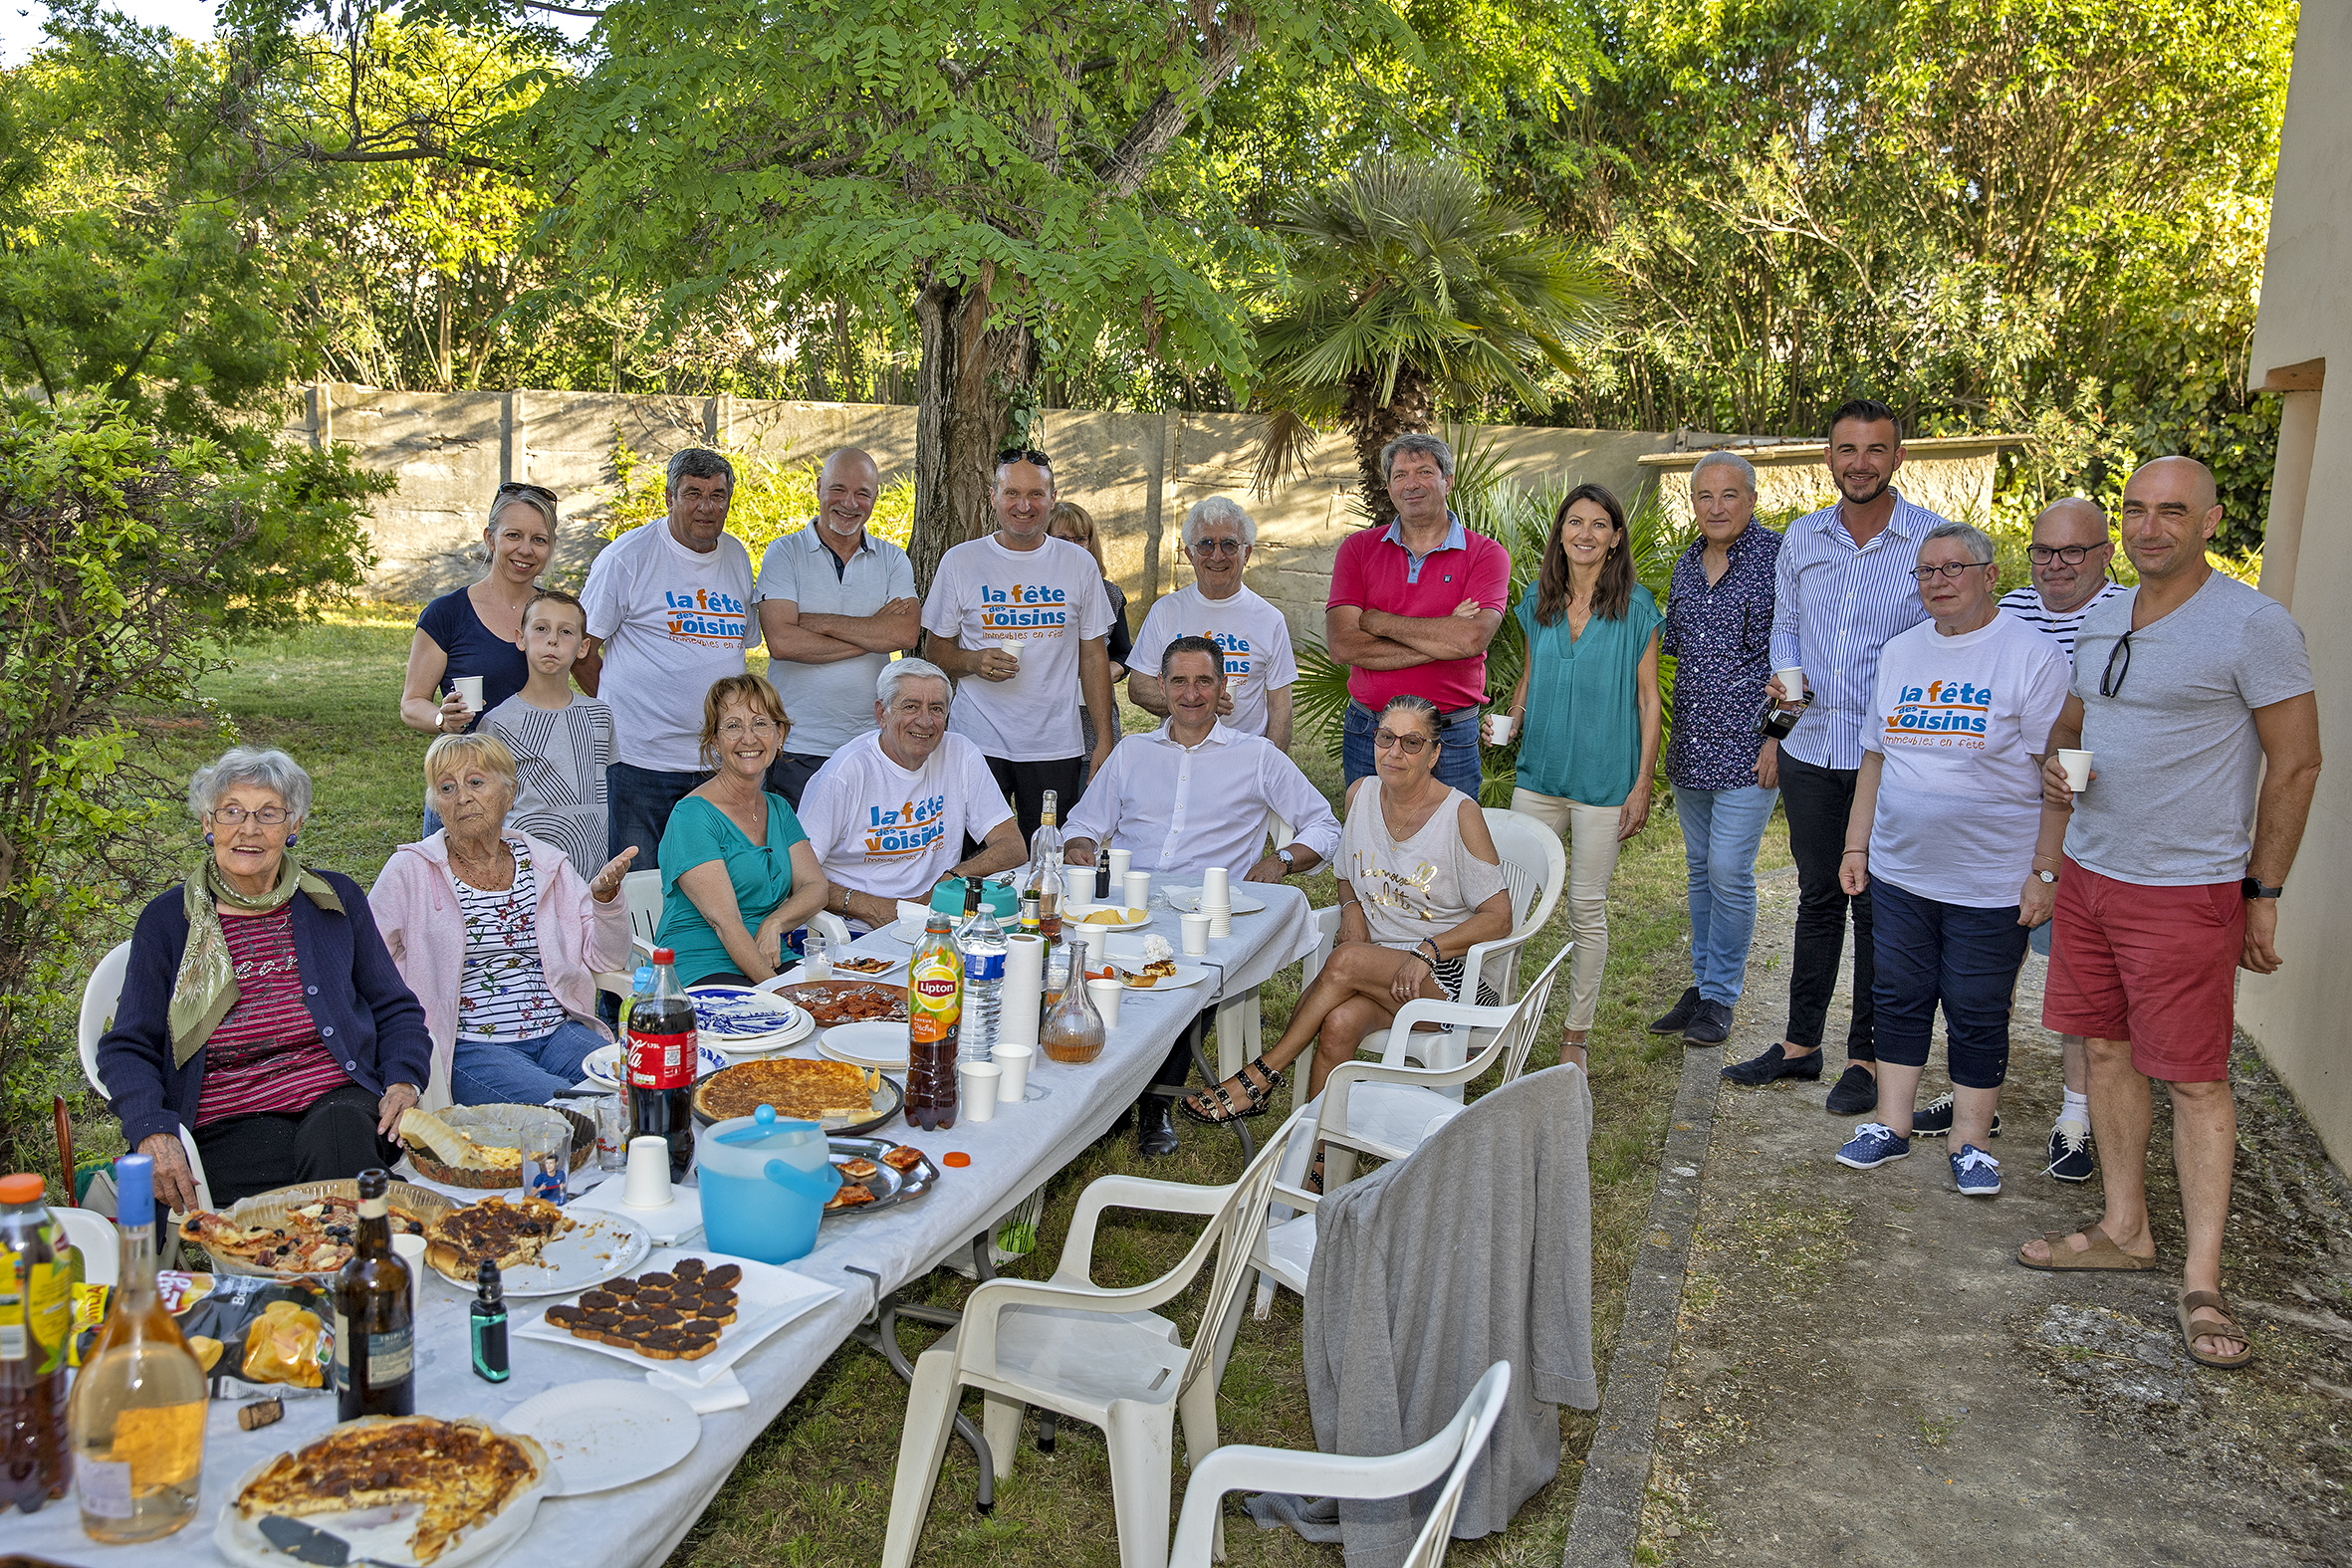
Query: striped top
561	755
1835	604
2026	604
502	993
265	1056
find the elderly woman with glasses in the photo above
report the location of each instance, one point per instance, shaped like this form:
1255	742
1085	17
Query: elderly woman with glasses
498	935
737	870
261	1014
1947	826
1420	884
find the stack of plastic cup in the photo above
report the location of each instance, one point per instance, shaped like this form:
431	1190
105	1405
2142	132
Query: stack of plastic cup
1217	901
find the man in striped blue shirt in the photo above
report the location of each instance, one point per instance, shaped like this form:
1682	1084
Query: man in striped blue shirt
1844	586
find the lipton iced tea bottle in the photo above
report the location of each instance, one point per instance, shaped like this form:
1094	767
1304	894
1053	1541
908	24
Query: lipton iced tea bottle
934	1018
661	1061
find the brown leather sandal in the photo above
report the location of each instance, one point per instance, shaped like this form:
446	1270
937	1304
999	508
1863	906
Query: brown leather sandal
1256	1098
2101	1257
2210	1302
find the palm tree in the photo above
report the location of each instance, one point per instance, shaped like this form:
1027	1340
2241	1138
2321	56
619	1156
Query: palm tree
1409	284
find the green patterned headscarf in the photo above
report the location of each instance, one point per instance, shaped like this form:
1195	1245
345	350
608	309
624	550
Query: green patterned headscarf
206	987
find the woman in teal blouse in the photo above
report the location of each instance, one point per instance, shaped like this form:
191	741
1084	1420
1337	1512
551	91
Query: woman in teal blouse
737	872
1587	714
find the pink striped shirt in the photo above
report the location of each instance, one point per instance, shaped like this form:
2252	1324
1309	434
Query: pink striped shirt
266	1056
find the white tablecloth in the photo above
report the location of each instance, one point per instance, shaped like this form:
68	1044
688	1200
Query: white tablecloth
637	1525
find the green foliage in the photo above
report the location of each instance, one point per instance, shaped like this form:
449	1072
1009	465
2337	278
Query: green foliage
772	496
131	563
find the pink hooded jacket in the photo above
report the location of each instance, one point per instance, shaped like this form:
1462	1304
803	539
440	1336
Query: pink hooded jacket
415	901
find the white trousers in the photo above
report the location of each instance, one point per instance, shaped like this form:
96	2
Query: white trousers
1589	834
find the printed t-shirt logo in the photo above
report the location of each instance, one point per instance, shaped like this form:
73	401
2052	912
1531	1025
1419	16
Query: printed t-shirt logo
713	620
1021	608
905	829
1236	650
1940	711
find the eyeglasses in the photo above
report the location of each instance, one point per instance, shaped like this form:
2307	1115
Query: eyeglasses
734	728
2111	678
516	487
235	815
2072	554
1383	739
1951	569
1218	546
1024	454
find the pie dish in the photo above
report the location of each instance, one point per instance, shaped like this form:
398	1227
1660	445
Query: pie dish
458	1475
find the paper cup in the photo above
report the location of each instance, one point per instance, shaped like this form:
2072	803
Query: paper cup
1792	681
2077	765
1011	650
1137	886
1078	886
1120	860
647	1184
1196	934
1095	939
1012	1062
978	1080
1106	994
1499	728
469	690
412	1251
1216	889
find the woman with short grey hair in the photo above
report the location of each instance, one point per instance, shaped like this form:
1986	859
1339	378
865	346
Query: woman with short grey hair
260	1016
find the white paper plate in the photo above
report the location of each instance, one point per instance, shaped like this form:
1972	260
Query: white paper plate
601	1066
608	1432
598	1246
1077	915
381	1535
1187	900
766	1298
866	1044
1186	975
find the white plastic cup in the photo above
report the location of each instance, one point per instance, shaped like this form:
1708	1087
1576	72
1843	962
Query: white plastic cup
1095	939
816	959
1077	887
412	1251
1012	1062
1219	923
469	690
1011	650
647	1181
1137	887
2077	765
1196	934
978	1081
1120	860
1792	681
1216	889
1499	728
1105	994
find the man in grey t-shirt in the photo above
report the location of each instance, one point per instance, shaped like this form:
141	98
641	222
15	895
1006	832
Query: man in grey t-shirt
2193	695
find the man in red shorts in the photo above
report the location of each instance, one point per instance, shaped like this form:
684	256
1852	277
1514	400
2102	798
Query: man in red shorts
2192	693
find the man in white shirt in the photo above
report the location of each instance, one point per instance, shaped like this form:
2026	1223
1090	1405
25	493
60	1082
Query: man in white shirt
834	604
889	812
1021	617
668	613
1258	668
2069	563
1191	794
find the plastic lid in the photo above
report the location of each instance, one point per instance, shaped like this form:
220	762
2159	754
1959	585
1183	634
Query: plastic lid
665	955
22	1188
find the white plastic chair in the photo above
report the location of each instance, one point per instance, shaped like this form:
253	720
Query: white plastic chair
99	996
94	1235
645	901
1097	1355
1387	1109
1534	872
1247	1468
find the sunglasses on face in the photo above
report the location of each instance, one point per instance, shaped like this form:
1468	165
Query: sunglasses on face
1385	740
1216	546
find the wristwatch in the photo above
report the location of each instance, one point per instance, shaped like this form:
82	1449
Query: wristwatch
2045	877
2255	887
1289	861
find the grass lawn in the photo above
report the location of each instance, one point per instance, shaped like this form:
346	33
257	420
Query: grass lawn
816	1488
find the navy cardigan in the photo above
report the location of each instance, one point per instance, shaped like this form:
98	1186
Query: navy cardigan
367	1019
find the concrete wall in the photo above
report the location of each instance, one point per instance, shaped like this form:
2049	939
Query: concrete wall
2298	1014
1951	476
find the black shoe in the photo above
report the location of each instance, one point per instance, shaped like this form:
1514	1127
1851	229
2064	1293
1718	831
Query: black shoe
2071	1159
1855	1091
1711	1025
1155	1127
1679	1015
1776	1062
1933	1119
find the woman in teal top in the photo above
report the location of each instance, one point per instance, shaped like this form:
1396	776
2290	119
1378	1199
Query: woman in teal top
737	872
1589	715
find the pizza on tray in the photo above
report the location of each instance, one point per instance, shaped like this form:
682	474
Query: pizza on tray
314	1239
801	1089
461	1473
507	1231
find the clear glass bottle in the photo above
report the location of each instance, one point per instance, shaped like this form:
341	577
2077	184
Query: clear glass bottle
136	1414
1073	1030
1042	879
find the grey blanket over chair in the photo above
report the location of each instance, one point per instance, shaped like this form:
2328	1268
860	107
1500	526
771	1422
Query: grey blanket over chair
1475	1248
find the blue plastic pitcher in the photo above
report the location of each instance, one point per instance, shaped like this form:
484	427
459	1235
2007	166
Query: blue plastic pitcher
765	1184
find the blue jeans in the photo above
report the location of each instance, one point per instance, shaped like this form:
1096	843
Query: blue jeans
521	1072
1457	761
1930	951
640	800
1720	829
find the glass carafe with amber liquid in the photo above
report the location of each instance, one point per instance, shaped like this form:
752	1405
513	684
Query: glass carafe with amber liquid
137	1417
1073	1030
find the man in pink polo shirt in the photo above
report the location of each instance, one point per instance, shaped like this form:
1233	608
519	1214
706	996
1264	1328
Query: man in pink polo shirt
1413	607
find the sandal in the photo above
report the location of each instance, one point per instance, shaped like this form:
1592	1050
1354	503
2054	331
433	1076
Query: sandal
1315	1172
2210	1302
1256	1098
2102	1255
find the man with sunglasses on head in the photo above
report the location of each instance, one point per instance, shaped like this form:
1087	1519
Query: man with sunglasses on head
2192	693
2067	562
1217	605
1019	619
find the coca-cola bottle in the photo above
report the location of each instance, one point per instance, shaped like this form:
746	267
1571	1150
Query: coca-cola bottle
661	1061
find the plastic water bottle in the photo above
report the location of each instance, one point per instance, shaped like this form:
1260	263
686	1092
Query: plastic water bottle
982	942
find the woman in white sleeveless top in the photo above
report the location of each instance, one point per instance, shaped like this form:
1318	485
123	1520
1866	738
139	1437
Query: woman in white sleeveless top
1420	884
